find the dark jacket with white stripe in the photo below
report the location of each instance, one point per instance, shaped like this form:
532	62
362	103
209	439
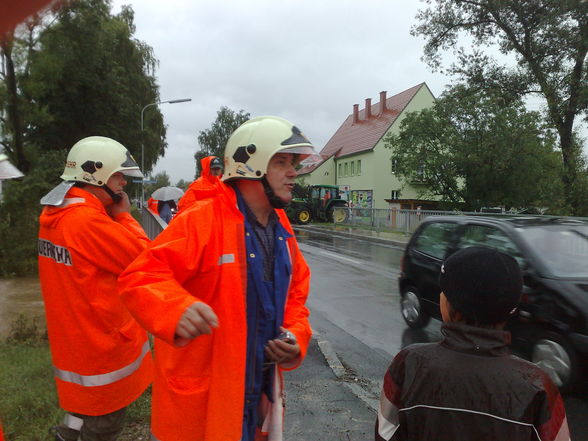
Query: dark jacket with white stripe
468	387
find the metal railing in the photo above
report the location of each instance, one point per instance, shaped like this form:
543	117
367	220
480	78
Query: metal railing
152	223
391	219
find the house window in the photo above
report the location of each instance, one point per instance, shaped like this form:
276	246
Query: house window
394	165
420	174
359	167
340	169
352	168
346	168
395	194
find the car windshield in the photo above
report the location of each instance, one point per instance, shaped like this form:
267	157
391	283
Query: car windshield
563	248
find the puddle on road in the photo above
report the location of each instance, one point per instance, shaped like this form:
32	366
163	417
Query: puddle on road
20	296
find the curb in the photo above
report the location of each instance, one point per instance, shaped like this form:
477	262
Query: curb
340	372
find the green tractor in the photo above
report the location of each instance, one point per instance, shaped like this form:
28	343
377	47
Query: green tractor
322	203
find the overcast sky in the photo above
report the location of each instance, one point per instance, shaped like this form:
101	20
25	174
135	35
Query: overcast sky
308	61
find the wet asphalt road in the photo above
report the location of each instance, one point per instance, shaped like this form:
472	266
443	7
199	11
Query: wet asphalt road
354	304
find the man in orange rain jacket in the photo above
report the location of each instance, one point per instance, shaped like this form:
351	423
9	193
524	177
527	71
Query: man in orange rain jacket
223	288
211	169
87	237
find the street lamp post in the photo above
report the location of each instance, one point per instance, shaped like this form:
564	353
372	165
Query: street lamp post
183	100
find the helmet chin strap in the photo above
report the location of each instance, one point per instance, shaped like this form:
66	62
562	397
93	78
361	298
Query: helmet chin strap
274	200
116	198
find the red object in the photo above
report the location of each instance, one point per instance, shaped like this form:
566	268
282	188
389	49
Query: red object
14	12
152	205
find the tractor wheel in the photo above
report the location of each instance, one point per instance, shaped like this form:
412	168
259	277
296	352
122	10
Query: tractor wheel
303	216
337	215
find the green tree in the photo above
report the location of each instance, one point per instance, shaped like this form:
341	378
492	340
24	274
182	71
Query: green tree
212	141
473	151
183	184
90	76
77	72
547	38
161	180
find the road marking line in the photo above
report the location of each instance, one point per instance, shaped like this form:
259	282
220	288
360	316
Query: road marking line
336	256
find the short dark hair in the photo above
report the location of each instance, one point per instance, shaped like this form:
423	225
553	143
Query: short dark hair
483	284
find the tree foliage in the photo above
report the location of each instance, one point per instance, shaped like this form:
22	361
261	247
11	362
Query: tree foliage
161	180
547	38
76	72
90	76
471	150
212	141
183	184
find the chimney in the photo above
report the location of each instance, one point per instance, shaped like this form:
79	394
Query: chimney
382	102
355	113
368	108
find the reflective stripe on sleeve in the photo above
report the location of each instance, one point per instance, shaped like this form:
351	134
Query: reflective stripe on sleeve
102	379
226	258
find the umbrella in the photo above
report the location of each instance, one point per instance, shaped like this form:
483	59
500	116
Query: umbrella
167	194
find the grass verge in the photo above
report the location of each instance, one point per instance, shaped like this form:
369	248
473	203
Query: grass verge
28	400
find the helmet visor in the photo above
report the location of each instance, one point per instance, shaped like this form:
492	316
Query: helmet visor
134	172
306	154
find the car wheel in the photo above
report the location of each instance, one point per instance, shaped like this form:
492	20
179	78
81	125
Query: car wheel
412	308
303	216
557	358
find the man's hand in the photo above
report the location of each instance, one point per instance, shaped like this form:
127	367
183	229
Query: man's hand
122	206
198	319
282	351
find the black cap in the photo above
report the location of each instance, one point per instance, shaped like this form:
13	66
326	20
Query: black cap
483	284
216	163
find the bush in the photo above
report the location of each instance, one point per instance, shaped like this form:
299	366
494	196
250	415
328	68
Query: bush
24	331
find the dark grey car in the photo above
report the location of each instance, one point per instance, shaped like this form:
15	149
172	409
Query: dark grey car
551	325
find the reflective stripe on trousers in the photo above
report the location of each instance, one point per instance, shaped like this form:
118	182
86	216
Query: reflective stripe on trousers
103	379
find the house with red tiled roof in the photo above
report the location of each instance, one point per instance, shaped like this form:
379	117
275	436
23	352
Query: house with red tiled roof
356	160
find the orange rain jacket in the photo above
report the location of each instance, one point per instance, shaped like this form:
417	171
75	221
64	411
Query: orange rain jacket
198	389
152	205
100	354
203	187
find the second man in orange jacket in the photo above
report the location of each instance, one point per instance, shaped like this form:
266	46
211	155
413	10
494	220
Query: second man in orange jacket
101	356
223	288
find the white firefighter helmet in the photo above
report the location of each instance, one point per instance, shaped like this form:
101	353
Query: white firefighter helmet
93	160
253	144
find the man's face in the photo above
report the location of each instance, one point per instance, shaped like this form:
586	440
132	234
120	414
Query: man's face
117	182
281	175
216	171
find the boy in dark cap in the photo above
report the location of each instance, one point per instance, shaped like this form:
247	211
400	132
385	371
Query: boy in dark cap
469	386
